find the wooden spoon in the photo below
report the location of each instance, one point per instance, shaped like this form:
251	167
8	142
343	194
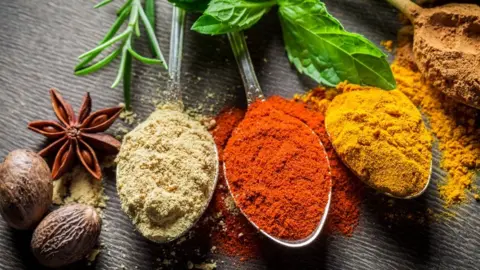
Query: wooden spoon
446	47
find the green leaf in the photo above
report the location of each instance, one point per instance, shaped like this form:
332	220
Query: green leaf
151	36
103	3
143	59
113	30
191	5
127	4
105	61
107	44
207	24
319	47
223	16
150	11
121	68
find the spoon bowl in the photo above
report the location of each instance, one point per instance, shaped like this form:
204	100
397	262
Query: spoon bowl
285	242
204	208
411	196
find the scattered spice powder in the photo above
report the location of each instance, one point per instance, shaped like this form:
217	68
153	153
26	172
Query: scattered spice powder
387	44
278	172
235	236
454	124
78	186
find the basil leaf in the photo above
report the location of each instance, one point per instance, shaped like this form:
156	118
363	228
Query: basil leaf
191	5
223	16
318	46
207	24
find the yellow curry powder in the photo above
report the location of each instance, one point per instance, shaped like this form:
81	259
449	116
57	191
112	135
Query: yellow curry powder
455	127
381	136
453	124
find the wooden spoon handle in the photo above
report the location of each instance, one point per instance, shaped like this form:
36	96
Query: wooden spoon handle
407	7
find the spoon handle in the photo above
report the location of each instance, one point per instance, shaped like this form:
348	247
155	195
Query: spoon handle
407	7
245	66
176	52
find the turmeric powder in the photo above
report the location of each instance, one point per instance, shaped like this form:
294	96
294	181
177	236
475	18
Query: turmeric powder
381	136
454	125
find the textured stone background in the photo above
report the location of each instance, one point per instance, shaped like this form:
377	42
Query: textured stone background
39	44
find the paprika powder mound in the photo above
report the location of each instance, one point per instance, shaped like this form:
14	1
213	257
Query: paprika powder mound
344	213
278	172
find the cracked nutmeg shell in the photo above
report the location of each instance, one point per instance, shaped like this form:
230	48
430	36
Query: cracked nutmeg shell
66	235
25	189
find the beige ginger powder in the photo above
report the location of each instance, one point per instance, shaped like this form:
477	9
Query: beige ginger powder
165	173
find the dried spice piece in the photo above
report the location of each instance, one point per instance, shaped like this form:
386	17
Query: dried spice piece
25	189
77	136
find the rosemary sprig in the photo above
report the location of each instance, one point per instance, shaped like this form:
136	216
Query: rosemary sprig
133	10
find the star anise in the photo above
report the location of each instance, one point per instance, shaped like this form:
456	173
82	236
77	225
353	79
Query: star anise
77	136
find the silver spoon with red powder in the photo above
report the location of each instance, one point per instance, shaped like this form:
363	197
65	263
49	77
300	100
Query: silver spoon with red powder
254	93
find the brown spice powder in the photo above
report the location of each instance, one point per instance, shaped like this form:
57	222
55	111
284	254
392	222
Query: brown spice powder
447	50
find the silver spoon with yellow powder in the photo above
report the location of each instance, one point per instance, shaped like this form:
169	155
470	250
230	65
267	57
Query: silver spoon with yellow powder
381	137
167	167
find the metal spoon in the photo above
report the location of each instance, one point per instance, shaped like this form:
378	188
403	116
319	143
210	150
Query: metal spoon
174	88
254	92
411	196
457	63
175	97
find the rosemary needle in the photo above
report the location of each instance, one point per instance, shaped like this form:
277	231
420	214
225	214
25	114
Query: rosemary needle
133	10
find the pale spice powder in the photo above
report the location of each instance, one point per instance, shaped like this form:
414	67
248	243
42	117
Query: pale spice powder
165	171
79	186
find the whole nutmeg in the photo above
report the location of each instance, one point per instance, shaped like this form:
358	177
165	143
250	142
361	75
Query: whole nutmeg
25	189
66	235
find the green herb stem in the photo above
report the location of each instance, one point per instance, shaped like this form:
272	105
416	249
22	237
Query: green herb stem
127	4
134	11
112	31
152	37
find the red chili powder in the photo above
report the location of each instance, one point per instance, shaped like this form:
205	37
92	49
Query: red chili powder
232	234
277	171
344	212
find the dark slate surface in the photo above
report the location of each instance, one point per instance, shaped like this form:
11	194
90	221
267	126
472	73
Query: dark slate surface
39	43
